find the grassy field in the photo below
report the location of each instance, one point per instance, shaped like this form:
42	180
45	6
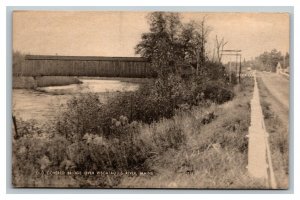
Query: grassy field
28	82
214	154
278	137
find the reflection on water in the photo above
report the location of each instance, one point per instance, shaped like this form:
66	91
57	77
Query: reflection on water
29	104
109	85
95	86
43	106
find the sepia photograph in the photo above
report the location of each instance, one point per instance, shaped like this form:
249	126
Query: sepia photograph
150	100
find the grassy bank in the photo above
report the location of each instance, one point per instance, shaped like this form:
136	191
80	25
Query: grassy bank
214	154
278	136
199	146
28	82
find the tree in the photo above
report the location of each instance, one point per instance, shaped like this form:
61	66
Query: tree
205	30
193	39
275	58
269	60
18	62
161	45
170	43
219	48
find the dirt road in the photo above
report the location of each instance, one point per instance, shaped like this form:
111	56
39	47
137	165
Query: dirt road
277	87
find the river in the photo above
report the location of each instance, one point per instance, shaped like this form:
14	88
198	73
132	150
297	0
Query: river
45	103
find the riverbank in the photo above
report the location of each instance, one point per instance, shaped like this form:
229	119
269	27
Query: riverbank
43	103
204	147
29	82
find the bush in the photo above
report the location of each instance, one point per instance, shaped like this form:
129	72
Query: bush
217	93
35	154
123	150
163	97
82	115
24	82
146	105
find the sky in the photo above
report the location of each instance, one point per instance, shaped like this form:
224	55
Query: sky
98	33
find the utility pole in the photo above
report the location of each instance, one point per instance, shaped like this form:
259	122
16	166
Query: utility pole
240	68
236	64
230	71
236	53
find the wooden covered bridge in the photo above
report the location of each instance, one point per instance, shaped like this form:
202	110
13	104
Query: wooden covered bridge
42	65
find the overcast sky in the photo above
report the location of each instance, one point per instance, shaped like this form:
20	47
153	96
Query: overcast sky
116	33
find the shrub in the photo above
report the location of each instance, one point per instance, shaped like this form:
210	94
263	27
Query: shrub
122	152
26	128
217	93
164	96
24	82
144	105
82	115
34	154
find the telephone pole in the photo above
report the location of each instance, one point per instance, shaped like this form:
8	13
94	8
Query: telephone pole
237	54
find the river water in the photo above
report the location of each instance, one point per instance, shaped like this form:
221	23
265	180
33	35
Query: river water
45	104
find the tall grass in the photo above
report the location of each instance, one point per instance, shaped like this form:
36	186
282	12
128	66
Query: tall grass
278	138
214	154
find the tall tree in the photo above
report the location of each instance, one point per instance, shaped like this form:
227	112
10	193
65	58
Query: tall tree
194	38
170	42
220	44
161	45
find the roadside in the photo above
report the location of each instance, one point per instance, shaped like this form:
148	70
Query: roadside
275	110
277	89
215	154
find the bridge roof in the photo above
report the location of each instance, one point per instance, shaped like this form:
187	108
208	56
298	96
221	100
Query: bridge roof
84	58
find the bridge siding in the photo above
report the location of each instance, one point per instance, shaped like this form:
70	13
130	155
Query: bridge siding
36	65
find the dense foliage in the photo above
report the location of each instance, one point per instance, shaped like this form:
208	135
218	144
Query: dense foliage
171	43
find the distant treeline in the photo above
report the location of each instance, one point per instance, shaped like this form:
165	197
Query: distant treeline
37	65
268	61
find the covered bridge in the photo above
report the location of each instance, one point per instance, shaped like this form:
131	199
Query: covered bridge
41	65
